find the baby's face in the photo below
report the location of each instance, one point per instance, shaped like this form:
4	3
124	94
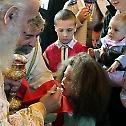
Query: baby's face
65	30
117	30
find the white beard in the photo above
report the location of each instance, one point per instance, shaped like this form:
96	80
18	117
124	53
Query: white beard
8	40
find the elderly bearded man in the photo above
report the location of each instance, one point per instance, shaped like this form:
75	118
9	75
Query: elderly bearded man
28	44
14	15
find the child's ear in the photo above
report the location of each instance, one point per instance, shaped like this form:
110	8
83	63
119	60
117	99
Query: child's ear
55	27
11	14
75	28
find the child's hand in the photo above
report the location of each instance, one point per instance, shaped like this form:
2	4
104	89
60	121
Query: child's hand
83	14
91	52
102	51
113	67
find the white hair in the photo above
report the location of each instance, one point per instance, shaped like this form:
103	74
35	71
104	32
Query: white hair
10	33
8	42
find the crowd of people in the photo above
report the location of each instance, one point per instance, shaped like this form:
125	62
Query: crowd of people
77	78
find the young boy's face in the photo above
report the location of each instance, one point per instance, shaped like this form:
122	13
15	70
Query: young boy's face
95	38
65	30
117	30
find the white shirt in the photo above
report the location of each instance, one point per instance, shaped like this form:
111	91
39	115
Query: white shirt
44	4
70	44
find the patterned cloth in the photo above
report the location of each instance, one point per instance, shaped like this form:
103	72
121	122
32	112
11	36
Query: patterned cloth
32	116
4	104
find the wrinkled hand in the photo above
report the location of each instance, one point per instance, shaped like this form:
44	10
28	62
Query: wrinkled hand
11	85
113	67
52	100
83	14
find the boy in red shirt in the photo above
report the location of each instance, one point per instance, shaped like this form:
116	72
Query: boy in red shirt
66	45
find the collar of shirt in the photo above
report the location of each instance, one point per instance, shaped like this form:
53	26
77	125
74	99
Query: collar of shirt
69	44
113	43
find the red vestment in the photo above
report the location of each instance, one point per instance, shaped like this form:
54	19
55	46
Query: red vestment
29	97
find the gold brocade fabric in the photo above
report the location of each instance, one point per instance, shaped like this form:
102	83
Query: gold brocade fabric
17	70
31	116
15	105
4	105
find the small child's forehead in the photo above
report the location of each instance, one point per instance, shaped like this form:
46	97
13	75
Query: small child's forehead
118	18
113	22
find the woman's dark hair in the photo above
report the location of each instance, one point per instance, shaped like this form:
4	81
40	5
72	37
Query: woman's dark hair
90	85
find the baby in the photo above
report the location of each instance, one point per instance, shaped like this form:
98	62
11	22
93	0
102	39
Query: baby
112	53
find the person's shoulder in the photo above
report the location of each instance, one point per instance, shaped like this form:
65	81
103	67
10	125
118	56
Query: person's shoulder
80	46
79	43
51	47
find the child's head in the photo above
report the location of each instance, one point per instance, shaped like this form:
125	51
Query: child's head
117	27
65	25
86	83
96	32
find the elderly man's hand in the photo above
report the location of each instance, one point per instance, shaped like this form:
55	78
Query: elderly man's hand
52	100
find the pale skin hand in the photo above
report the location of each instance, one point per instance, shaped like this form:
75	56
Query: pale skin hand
113	67
52	101
83	14
91	52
